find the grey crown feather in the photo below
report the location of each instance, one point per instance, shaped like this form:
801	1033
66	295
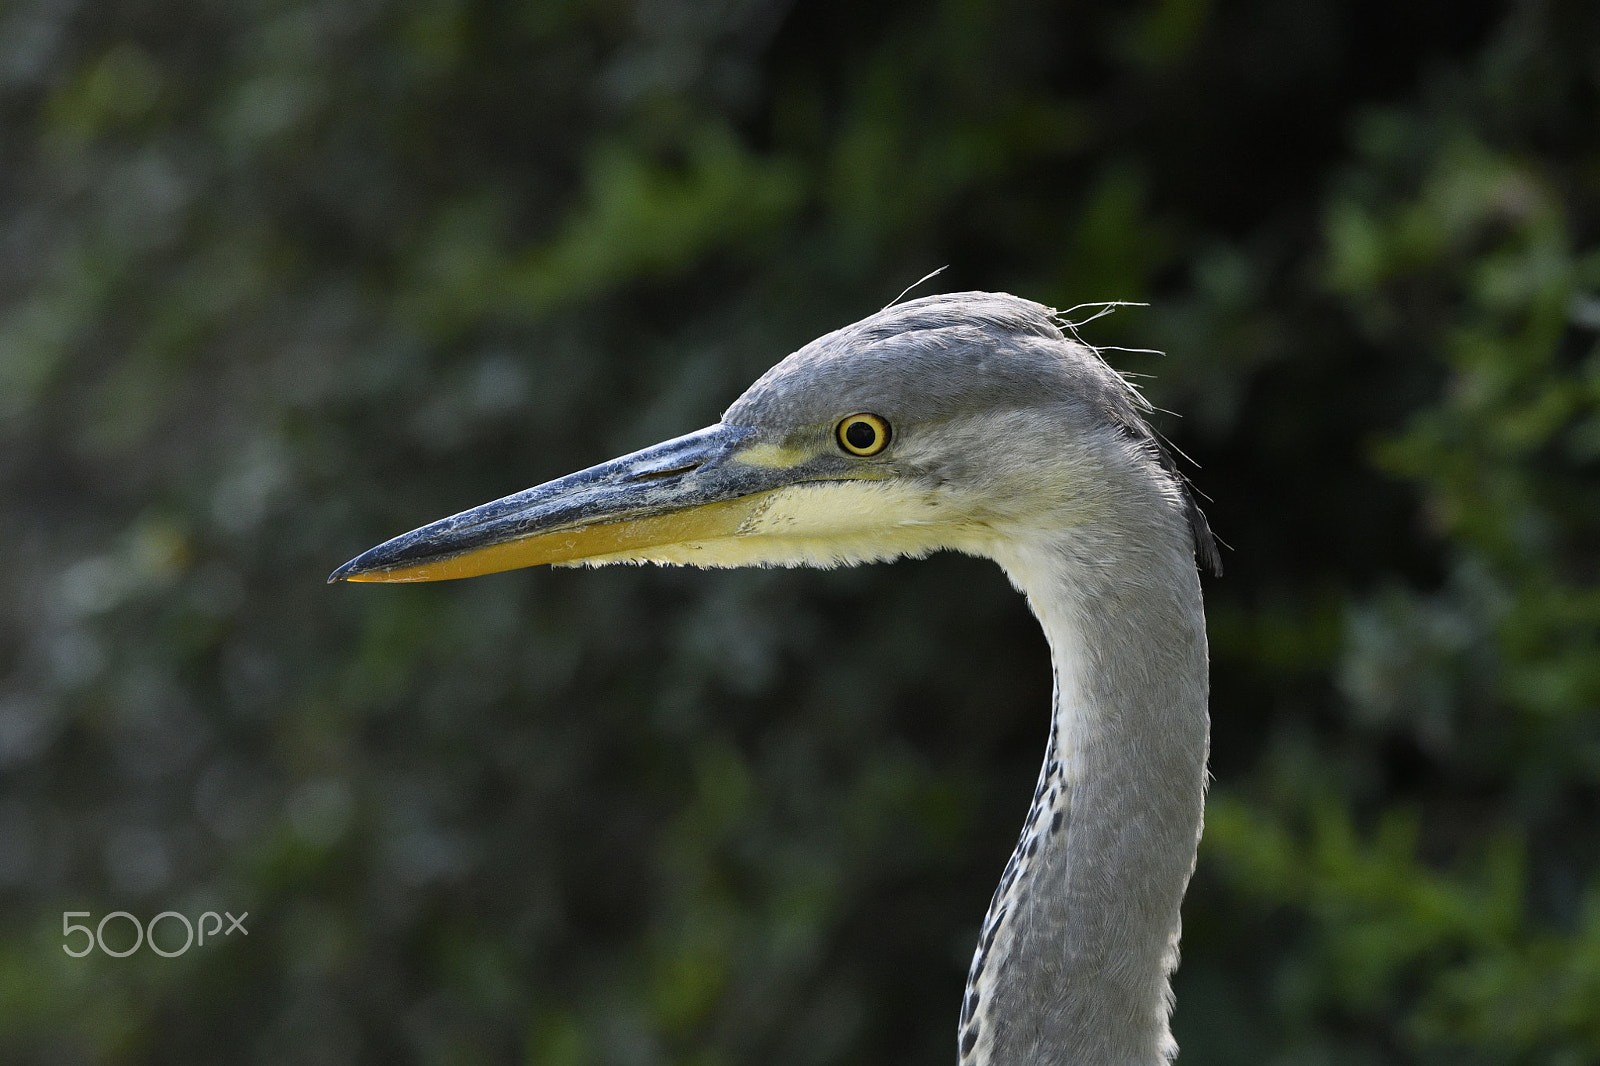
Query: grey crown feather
1002	321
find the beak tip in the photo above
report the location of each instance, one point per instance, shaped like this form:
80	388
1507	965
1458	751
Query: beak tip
343	573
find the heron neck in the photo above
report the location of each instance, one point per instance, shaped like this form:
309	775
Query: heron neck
1075	957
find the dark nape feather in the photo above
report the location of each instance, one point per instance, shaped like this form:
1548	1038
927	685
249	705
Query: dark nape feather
1205	542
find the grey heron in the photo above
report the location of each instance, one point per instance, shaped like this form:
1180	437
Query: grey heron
972	422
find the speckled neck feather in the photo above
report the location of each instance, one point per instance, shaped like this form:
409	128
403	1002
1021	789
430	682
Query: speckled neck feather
1075	955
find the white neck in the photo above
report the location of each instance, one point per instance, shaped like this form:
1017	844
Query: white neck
1075	955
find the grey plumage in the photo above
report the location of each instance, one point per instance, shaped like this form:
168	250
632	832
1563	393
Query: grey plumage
1003	436
942	357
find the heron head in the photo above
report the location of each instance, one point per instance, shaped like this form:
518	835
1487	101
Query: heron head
945	422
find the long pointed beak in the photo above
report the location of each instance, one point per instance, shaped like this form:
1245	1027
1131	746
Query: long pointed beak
689	491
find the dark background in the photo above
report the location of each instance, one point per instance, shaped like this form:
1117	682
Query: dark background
280	279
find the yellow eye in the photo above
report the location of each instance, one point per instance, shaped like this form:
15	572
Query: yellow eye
863	434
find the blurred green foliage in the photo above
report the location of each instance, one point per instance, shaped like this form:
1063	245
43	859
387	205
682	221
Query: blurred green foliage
280	279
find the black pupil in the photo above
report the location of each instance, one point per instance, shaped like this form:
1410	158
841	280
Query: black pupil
861	435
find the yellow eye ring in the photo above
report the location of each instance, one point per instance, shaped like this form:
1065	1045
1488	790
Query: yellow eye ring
863	434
